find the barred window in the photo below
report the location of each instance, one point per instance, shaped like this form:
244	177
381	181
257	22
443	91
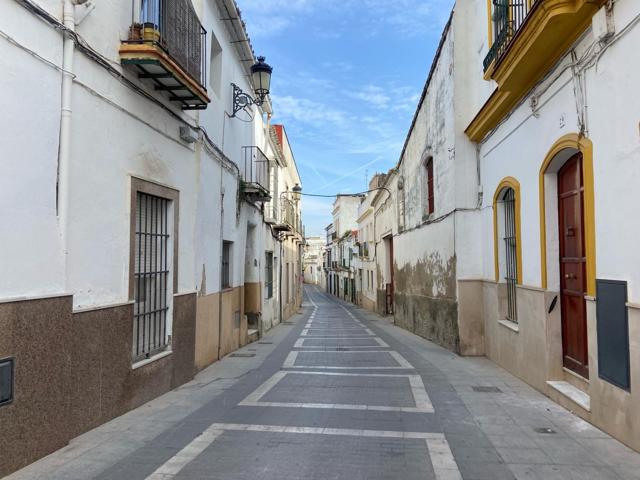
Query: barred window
508	200
268	275
151	275
226	264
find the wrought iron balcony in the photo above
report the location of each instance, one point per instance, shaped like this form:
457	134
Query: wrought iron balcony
256	174
529	38
167	45
286	221
507	18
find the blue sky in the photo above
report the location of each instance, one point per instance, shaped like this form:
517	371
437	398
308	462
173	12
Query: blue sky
347	78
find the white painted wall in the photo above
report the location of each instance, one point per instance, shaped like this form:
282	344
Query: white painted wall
519	146
117	134
28	156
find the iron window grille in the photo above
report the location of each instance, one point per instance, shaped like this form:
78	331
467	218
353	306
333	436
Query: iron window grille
268	274
226	264
151	277
511	264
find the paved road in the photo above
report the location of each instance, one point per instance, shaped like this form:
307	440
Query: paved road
340	394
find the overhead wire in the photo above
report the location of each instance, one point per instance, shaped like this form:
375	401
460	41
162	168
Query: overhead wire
110	66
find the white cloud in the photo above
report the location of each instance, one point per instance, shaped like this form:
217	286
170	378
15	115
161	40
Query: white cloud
373	95
304	110
368	17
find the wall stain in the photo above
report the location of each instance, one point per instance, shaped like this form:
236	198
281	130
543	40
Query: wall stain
203	283
152	165
425	301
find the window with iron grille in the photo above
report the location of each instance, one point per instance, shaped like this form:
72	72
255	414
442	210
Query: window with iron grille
226	264
268	274
151	276
429	174
510	251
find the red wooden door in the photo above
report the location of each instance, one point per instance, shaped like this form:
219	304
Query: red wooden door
573	266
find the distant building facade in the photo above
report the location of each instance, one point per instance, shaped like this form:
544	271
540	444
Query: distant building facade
314	273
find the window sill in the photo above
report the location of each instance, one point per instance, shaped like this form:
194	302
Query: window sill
514	327
155	358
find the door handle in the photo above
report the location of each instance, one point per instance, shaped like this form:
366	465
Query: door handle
570	276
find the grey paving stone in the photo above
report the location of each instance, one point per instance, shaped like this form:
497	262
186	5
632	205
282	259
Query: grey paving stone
562	472
353	390
295	456
346	359
485	471
523	455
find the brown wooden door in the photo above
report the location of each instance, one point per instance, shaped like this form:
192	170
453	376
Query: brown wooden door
573	266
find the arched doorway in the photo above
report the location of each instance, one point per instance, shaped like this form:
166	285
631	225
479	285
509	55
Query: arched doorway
567	242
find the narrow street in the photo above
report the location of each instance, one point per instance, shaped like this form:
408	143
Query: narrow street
340	393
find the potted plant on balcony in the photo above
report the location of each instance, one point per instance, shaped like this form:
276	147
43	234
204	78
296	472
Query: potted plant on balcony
135	31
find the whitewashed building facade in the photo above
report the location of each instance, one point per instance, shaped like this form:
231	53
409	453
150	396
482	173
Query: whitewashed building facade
138	247
512	233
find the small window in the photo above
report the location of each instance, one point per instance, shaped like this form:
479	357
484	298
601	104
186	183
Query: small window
268	275
429	179
508	199
226	264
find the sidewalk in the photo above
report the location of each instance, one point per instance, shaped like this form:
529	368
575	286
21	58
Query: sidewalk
516	431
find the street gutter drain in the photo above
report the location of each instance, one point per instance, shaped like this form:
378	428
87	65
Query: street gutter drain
287	323
265	343
485	389
544	430
243	355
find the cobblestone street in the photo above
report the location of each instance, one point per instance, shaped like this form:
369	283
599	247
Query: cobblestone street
340	393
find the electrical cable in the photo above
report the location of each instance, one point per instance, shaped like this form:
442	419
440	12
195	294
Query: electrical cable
108	65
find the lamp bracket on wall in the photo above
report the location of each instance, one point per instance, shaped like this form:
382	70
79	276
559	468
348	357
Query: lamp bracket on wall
242	100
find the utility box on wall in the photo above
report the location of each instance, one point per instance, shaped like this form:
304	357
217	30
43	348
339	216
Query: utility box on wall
6	381
613	333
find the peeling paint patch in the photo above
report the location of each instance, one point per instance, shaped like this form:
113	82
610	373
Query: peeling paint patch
425	301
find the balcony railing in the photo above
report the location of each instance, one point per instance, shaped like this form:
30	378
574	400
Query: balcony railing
507	17
256	173
167	43
288	213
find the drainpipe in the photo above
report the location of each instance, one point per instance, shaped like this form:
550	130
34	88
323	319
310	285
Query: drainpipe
479	175
64	145
64	141
220	262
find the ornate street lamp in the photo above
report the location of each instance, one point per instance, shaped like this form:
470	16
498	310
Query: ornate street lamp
261	79
296	192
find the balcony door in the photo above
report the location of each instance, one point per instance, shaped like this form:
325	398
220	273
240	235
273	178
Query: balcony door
573	266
